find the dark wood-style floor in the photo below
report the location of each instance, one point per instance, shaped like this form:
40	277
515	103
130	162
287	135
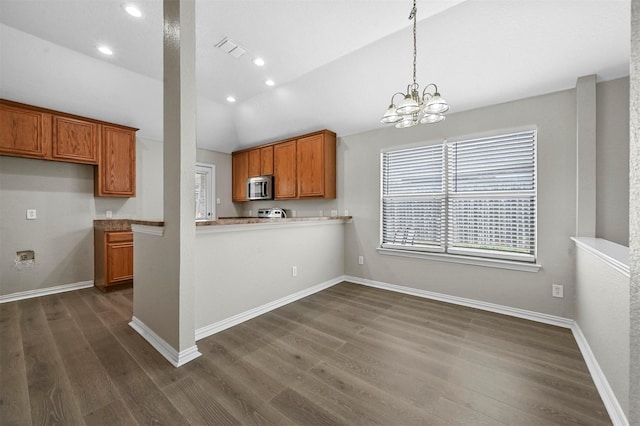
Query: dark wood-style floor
347	355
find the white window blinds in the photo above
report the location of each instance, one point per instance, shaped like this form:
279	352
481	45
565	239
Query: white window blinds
483	203
413	198
492	196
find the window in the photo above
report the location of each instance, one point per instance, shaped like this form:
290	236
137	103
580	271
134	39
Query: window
473	197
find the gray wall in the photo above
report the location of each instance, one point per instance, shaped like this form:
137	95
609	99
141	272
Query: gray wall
555	118
602	312
62	235
612	161
244	269
634	216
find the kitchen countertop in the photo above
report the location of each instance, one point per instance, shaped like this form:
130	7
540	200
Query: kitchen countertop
123	224
252	220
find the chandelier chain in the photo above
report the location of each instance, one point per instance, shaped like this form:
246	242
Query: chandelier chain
416	108
414	11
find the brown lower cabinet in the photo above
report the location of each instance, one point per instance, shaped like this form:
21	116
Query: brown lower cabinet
113	258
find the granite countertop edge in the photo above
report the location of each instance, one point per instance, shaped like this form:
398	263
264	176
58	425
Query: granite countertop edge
125	224
253	220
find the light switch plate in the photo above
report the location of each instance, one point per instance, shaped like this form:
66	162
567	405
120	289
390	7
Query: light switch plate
31	214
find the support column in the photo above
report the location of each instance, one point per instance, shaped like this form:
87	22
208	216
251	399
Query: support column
164	288
634	216
586	156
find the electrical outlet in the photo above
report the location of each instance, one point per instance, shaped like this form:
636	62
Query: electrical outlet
108	214
25	255
218	201
346	212
557	290
294	271
31	214
360	260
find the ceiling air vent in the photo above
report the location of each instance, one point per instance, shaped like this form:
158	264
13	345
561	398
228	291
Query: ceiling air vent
231	47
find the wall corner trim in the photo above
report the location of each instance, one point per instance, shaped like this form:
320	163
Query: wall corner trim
166	350
609	399
45	291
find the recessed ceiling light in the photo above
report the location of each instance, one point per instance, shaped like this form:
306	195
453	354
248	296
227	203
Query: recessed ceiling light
270	83
258	62
132	10
231	99
105	50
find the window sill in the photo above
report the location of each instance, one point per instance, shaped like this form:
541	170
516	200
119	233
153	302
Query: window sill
467	260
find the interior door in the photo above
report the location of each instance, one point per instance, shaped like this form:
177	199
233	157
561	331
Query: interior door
205	192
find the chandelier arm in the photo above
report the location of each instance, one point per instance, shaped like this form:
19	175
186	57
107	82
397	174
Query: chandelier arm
394	95
429	85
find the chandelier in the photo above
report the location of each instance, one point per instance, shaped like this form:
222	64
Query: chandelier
416	108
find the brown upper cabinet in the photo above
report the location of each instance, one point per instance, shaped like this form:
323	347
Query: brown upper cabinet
254	163
261	161
303	167
116	174
317	166
25	131
266	161
285	168
74	140
240	174
33	132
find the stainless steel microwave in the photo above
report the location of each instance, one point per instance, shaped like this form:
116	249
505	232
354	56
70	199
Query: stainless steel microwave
260	188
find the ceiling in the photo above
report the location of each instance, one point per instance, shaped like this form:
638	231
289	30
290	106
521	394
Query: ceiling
335	63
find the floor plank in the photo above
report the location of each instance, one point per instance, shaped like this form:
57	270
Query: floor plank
349	355
14	393
51	396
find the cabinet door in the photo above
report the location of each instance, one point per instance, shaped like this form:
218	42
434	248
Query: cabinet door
25	132
119	262
254	163
284	168
117	167
240	174
266	161
311	166
74	140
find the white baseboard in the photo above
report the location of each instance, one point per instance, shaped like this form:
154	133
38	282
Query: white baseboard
599	379
478	304
219	326
44	291
166	350
602	385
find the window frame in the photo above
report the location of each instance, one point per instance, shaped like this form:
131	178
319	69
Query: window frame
481	257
